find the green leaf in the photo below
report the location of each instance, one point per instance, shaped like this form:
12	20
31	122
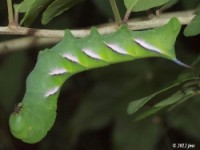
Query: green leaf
32	9
179	96
137	104
130	3
23	6
194	27
176	98
56	8
172	101
140	5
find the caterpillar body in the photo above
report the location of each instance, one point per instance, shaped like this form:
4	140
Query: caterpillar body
35	115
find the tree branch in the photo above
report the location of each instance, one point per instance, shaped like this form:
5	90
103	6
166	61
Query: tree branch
184	17
21	44
136	24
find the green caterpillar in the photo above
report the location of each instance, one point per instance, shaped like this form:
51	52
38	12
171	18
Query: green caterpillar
35	115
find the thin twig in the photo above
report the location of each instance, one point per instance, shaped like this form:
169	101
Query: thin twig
126	17
10	13
115	12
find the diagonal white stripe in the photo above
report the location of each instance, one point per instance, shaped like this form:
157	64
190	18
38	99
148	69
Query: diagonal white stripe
147	45
116	48
91	53
51	91
58	71
71	57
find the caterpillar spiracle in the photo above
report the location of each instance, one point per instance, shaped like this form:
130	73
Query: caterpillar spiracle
36	114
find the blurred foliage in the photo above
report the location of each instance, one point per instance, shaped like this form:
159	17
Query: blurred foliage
92	107
193	28
32	8
56	8
140	5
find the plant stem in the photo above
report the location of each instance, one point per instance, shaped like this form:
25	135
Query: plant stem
115	12
10	13
126	16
